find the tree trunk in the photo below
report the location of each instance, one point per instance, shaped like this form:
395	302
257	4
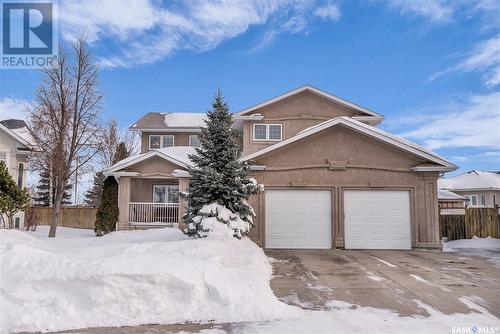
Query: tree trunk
56	213
56	210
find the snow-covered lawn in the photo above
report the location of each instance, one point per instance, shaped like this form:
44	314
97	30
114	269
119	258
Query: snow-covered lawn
487	247
131	278
160	276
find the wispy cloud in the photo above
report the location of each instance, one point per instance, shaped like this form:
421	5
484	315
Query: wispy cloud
13	108
145	31
473	122
484	57
434	10
328	12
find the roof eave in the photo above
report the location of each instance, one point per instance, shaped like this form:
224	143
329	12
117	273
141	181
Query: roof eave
312	89
167	129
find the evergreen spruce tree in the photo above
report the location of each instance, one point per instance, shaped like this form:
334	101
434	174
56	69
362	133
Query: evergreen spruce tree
93	195
12	198
44	192
107	214
218	176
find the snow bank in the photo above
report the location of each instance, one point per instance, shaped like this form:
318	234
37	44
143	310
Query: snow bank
131	278
487	243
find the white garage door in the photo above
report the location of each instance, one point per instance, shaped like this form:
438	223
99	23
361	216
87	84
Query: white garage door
377	219
298	219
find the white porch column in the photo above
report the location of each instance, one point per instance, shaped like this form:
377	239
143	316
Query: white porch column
183	187
123	202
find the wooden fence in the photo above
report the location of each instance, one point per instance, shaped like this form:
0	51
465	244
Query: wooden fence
480	222
76	217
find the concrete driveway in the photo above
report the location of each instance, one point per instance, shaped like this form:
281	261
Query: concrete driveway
395	280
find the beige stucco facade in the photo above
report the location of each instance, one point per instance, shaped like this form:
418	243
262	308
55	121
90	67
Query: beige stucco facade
337	158
369	165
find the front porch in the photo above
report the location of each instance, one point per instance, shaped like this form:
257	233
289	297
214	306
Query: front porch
150	202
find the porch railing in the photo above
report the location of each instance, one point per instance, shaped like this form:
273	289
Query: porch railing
141	213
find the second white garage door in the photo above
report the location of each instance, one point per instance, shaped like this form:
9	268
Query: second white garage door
298	219
377	219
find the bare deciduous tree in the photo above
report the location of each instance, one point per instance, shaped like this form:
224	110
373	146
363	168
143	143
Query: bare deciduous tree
110	139
65	119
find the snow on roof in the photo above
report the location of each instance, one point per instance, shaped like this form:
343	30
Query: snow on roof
185	120
180	153
472	180
176	154
18	129
448	195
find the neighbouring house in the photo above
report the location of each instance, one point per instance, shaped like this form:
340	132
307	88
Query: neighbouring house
332	179
15	145
448	200
480	188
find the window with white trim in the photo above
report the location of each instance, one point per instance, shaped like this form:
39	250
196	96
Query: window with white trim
272	132
165	193
160	141
472	200
194	140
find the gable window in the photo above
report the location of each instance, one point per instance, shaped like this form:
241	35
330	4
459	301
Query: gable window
160	141
272	132
165	194
194	140
20	175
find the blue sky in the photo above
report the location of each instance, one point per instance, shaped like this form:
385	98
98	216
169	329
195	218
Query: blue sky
432	68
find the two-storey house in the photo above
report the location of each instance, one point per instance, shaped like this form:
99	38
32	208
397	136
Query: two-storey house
332	178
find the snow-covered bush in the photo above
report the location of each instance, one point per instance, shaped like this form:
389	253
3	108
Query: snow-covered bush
213	218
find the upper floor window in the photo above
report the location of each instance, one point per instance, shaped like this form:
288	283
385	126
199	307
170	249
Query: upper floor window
3	157
267	132
194	140
476	200
160	141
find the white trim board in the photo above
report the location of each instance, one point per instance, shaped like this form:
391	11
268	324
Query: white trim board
324	94
141	157
365	129
16	136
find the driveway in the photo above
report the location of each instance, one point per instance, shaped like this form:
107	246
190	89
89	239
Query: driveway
394	280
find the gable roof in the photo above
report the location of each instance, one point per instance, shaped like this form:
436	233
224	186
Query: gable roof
317	91
446	195
178	155
18	129
472	180
161	121
371	131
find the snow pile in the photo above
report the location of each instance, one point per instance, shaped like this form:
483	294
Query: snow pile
487	243
132	278
219	221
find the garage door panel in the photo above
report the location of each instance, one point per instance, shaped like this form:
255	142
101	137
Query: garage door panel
298	219
377	219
